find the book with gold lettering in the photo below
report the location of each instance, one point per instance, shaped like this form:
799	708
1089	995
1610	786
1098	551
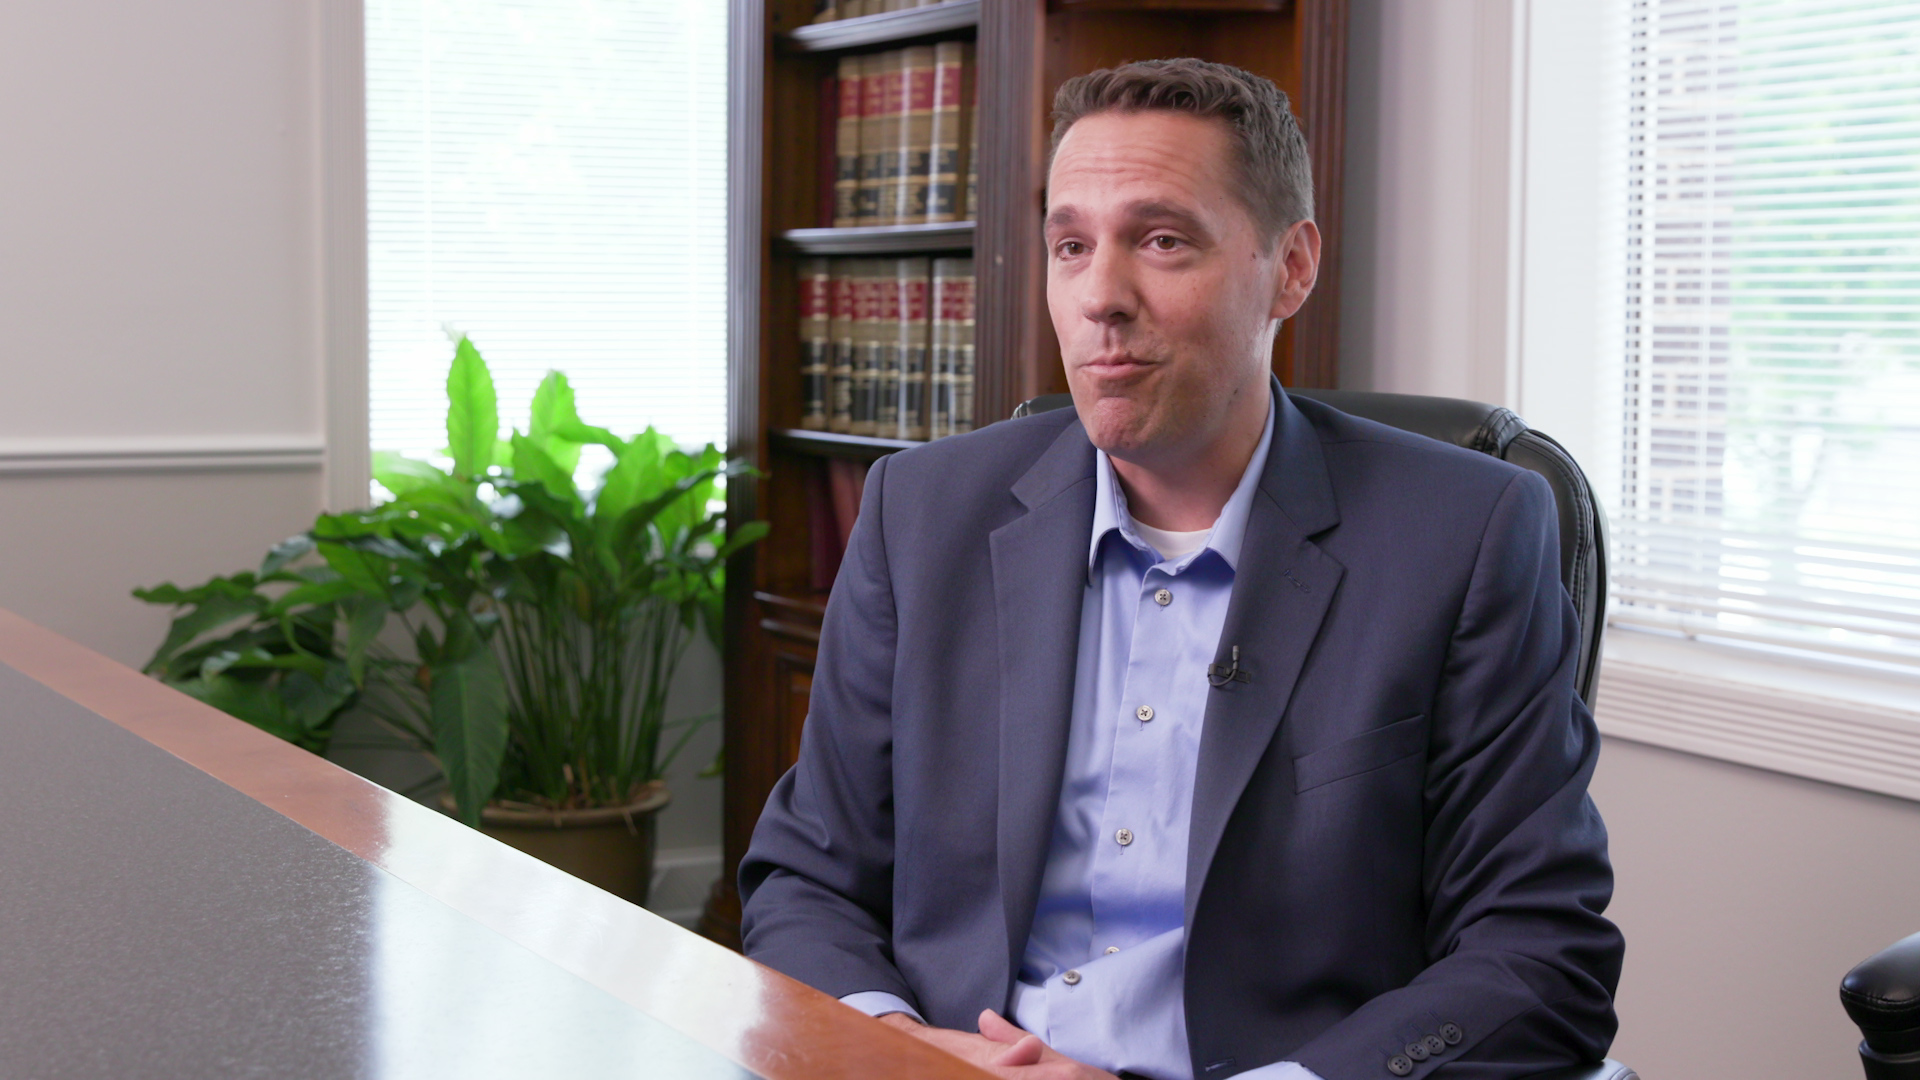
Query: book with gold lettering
869	344
842	328
914	285
846	144
917	71
816	340
876	129
888	288
972	125
946	165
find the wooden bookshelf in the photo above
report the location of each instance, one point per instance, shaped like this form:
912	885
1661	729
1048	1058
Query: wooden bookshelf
1023	50
876	31
882	239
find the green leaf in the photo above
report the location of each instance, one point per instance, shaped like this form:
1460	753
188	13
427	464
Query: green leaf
362	570
211	613
530	462
321	592
751	532
367	616
638	473
285	552
473	413
404	476
553	416
469	717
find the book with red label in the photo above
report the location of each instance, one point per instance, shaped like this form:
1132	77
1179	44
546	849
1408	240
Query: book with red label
915	287
842	330
816	340
869	344
959	319
917	73
972	125
888	321
947	154
846	144
876	128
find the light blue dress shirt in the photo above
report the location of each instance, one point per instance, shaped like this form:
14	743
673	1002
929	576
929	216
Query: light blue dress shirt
1102	977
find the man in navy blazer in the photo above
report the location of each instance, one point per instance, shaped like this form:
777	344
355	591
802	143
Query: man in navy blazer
1320	670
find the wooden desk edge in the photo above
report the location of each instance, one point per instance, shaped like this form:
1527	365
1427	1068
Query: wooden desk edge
777	1027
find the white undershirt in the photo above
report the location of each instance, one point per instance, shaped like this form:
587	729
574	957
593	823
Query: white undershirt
1172	546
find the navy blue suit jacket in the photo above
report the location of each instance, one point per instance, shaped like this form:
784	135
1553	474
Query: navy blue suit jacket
1391	833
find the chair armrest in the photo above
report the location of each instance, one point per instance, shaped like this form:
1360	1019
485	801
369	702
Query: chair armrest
1882	995
1606	1070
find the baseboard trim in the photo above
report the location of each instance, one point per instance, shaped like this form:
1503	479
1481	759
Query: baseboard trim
28	457
682	878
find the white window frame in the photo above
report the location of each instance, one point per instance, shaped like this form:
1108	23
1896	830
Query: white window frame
1853	727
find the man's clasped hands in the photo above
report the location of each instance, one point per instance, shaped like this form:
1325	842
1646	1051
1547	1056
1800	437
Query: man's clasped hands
1001	1049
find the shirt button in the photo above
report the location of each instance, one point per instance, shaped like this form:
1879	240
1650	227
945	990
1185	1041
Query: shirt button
1144	712
1123	837
1071	978
1111	949
1163	597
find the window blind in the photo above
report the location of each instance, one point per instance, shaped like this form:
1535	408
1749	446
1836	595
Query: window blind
1769	489
551	180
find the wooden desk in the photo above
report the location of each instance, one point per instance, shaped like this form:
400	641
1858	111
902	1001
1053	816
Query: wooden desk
184	895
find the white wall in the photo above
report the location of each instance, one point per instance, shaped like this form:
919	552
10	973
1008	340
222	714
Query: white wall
1744	894
160	297
177	302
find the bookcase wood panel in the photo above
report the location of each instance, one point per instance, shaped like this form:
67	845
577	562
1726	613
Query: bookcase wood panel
1023	50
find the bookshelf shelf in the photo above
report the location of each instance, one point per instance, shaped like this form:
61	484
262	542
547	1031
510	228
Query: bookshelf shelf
884	29
882	239
835	444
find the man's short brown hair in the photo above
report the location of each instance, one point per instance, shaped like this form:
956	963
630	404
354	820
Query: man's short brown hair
1276	178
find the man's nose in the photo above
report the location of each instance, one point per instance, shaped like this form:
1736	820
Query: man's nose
1110	294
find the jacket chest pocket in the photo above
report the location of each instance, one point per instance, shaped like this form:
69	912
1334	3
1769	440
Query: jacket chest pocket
1362	753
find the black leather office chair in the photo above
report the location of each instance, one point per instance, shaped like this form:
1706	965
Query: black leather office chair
1493	430
1882	995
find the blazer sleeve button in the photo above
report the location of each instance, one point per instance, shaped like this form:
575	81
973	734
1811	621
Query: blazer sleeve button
1417	1051
1434	1044
1452	1034
1399	1065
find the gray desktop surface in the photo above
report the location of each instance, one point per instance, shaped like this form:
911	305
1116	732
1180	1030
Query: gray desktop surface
155	922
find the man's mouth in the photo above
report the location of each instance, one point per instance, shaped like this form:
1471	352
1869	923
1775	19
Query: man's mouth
1116	366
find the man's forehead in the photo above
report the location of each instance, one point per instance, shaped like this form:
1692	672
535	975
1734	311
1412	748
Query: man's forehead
1155	164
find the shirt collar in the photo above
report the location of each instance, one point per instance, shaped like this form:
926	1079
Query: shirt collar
1229	530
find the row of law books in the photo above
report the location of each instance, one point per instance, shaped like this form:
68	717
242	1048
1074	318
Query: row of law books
886	346
835	10
903	144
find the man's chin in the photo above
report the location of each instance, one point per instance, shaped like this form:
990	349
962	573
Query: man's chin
1116	425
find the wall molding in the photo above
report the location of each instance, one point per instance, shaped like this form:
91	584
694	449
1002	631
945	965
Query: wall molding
27	457
1856	731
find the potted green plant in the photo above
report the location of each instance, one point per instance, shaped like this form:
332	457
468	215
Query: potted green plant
543	623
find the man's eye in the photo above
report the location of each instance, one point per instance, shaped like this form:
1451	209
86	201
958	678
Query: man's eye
1071	247
1165	243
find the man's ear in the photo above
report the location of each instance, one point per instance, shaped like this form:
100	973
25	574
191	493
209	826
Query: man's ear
1299	249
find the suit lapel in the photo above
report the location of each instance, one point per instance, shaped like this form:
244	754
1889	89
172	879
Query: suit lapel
1282	589
1039	579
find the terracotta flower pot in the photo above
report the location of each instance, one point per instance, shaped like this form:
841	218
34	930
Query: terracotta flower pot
609	846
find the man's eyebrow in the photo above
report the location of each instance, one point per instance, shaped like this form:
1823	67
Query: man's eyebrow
1149	210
